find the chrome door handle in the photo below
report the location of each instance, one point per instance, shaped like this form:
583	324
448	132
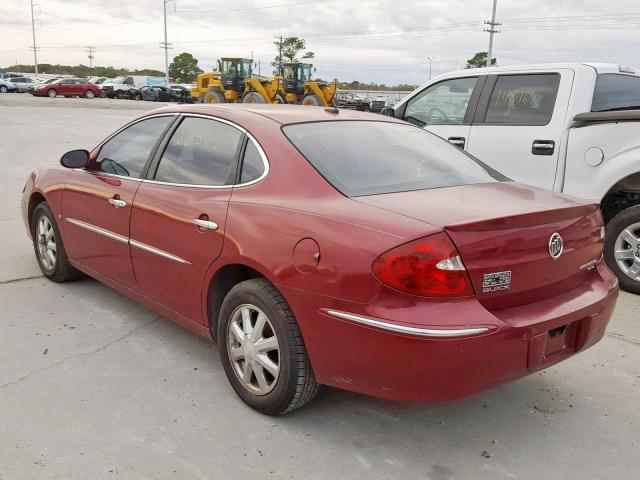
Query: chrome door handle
457	141
117	203
543	147
206	224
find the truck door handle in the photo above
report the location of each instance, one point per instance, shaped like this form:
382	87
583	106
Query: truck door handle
205	224
457	141
543	147
117	203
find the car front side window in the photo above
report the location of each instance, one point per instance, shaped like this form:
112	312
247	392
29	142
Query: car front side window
128	151
200	152
444	103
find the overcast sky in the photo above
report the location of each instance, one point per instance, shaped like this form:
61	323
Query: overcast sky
383	41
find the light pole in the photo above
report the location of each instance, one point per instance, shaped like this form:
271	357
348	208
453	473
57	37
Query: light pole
91	56
35	48
430	60
166	45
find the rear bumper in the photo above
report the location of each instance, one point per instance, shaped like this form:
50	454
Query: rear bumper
406	365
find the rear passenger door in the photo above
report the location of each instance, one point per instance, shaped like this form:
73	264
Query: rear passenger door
446	108
180	212
519	123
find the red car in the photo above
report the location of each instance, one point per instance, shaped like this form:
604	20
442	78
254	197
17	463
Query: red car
328	247
68	87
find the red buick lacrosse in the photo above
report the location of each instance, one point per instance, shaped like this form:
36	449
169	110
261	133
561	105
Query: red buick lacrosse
329	247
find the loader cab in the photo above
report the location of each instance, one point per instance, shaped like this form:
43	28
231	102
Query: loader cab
295	75
234	72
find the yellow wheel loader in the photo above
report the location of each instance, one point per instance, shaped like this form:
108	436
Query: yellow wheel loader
297	86
234	82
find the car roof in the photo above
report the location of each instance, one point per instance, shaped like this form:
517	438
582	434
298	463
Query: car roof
283	114
599	67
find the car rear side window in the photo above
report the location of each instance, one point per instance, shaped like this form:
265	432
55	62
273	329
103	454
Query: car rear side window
523	99
370	157
127	152
200	152
252	164
615	91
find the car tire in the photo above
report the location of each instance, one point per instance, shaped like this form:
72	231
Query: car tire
3	89
89	94
51	93
137	97
45	233
214	96
622	248
103	94
294	383
311	100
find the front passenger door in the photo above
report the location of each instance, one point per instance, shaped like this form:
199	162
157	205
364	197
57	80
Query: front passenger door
446	109
179	214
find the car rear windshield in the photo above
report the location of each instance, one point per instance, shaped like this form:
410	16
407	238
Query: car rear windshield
615	91
371	157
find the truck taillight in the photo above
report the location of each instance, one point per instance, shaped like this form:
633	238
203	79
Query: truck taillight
430	266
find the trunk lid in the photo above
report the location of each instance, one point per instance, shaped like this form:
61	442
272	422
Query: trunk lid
503	232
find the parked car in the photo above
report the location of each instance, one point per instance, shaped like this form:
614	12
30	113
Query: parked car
151	94
351	101
123	86
360	286
378	103
97	80
7	87
572	128
22	84
181	94
68	87
44	82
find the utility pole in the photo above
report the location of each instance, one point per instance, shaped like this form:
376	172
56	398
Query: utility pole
492	29
33	30
280	55
166	45
91	56
430	59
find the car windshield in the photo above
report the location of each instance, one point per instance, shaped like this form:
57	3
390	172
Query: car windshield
371	157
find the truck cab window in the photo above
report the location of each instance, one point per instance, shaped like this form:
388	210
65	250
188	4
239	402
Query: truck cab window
616	91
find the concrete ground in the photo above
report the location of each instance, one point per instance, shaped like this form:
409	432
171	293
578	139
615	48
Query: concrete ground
94	386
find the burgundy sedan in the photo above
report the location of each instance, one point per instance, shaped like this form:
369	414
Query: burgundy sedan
68	87
328	247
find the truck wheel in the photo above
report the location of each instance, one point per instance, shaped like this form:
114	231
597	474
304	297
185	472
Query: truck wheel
622	248
311	100
253	97
119	94
262	349
214	96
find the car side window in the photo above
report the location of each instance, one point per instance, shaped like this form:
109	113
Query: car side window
444	103
200	152
252	164
127	153
523	99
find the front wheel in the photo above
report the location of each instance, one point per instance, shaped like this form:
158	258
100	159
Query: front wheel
253	97
262	349
52	93
3	89
89	94
622	248
47	243
311	100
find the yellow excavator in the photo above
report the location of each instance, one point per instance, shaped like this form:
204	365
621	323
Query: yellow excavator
234	82
297	86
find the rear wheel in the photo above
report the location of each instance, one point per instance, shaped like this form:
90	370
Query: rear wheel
311	100
622	248
89	94
214	96
279	99
262	349
48	246
3	89
52	93
137	97
253	97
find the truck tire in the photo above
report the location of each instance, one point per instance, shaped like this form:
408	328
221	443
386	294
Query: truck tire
279	99
253	97
311	100
622	248
214	96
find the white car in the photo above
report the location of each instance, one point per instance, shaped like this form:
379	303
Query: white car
572	128
23	84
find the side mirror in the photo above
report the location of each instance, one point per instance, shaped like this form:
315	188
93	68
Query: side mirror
388	111
75	159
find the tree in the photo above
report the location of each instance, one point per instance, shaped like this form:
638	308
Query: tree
290	47
184	68
479	60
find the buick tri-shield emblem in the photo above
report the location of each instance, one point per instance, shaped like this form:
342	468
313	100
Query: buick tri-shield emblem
556	245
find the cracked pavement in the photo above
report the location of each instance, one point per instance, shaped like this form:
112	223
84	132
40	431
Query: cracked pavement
95	386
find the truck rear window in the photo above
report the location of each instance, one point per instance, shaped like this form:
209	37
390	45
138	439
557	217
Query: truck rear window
615	91
370	157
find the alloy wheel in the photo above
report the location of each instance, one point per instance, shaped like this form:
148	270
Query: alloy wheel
627	251
253	349
47	249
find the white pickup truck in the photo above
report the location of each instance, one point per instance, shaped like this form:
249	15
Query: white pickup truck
572	128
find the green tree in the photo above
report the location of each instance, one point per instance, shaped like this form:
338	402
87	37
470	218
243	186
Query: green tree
479	60
184	68
290	48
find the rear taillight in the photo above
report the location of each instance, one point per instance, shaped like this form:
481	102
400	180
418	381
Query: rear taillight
430	266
